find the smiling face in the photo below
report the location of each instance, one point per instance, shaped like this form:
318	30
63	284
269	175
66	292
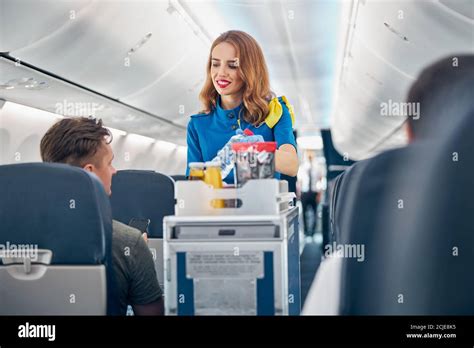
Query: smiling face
225	70
236	73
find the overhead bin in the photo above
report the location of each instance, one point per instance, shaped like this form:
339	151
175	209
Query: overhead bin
390	42
67	99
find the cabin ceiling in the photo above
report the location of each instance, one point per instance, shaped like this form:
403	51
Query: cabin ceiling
389	43
90	42
144	61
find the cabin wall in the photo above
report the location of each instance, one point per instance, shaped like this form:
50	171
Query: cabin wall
22	127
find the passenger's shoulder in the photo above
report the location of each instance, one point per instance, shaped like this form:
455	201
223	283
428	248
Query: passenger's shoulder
380	165
125	234
388	157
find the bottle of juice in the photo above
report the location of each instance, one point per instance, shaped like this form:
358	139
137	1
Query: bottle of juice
212	176
196	171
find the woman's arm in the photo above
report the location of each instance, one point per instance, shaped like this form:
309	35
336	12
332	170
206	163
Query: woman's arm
286	160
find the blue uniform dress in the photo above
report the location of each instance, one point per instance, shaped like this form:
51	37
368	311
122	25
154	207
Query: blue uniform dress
208	133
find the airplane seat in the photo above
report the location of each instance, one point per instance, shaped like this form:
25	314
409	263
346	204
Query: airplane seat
366	195
140	194
55	238
351	187
333	191
357	195
420	247
418	235
179	177
336	165
323	211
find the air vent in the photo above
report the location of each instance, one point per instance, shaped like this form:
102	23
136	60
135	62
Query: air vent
25	83
143	41
373	78
396	32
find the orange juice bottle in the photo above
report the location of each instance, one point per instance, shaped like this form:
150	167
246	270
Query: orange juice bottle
212	176
196	171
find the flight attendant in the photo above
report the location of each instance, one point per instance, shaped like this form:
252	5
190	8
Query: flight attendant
236	94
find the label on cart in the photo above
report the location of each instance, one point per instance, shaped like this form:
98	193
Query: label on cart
225	264
225	297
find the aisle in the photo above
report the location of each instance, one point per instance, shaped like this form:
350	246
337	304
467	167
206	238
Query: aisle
310	259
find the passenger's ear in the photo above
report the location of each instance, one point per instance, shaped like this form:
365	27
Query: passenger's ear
89	167
409	132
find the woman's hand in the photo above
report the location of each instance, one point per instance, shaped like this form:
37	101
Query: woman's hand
286	160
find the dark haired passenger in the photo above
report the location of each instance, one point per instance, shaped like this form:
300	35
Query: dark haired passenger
443	93
85	143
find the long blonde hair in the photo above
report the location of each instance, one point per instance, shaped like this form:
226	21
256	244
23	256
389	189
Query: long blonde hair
253	72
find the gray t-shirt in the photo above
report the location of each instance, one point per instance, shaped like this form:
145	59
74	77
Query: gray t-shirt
133	267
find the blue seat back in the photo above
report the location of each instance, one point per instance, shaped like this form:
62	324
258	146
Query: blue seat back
59	208
412	214
143	194
179	177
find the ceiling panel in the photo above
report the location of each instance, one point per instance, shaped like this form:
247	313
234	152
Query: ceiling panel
410	34
88	43
392	41
38	90
93	48
20	25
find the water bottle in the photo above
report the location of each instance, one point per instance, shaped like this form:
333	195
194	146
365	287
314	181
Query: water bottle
225	155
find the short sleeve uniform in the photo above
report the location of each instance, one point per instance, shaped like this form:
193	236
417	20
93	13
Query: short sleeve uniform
208	133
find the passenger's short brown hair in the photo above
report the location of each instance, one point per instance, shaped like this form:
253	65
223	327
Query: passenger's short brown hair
74	141
446	83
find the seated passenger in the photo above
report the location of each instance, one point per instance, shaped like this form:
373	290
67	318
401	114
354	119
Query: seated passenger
84	142
443	91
